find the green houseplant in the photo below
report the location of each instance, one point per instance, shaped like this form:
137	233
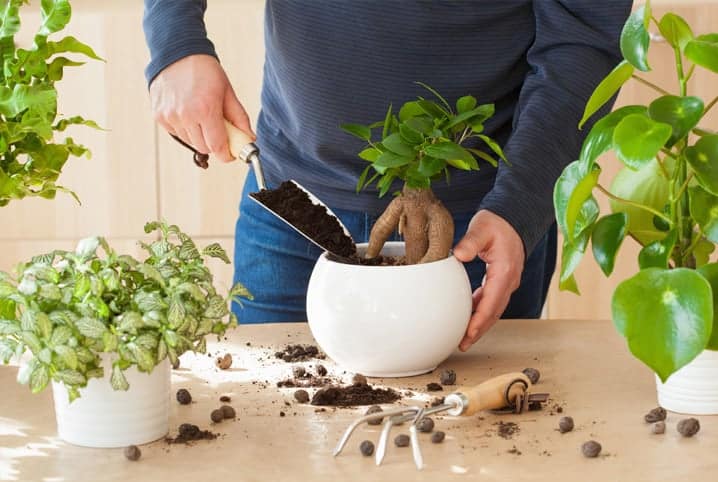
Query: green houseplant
665	198
81	315
30	159
417	146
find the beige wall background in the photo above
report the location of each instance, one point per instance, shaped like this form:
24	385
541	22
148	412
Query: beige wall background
138	173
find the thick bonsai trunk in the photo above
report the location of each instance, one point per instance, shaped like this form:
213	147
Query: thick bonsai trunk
423	221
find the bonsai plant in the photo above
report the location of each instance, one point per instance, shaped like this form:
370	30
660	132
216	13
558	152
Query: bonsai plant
30	159
417	146
82	315
665	198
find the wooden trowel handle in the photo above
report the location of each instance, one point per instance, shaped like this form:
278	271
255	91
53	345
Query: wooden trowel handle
238	141
492	394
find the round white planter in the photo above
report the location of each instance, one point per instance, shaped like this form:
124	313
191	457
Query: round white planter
693	389
103	417
389	321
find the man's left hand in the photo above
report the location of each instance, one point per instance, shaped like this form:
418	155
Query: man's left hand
494	240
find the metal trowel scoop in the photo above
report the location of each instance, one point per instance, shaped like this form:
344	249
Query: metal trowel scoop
241	146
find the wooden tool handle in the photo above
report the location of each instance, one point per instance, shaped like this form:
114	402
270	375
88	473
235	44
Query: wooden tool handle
237	139
495	393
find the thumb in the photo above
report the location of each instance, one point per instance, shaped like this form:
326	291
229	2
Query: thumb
234	112
469	247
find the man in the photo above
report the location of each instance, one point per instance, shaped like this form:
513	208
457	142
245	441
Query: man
330	62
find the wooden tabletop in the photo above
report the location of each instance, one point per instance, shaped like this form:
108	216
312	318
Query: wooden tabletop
584	365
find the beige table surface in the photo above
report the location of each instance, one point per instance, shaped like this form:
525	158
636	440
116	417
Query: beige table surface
584	366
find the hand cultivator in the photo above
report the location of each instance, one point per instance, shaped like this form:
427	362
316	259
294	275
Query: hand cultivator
503	394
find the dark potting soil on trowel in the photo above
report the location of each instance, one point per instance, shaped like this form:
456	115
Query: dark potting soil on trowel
294	205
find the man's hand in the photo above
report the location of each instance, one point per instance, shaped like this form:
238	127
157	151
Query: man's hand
191	98
494	240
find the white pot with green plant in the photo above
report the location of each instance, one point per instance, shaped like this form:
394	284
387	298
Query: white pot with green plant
365	316
105	328
666	199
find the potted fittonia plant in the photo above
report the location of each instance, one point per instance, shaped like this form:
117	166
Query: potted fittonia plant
30	159
665	198
362	316
104	328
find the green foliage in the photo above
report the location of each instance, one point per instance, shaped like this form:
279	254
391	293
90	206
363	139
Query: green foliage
422	140
665	198
66	308
31	159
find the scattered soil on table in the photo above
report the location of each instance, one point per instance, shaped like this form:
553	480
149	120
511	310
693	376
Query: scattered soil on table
353	395
656	415
359	379
514	451
132	453
294	205
321	370
434	387
437	401
507	430
591	449
225	398
688	427
309	382
301	396
190	433
533	374
297	353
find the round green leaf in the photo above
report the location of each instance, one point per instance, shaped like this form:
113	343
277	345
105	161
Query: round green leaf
606	89
573	252
675	30
637	139
703	158
710	273
571	191
449	151
600	138
635	39
704	209
681	113
465	103
396	145
703	51
657	253
646	186
606	238
666	317
391	159
357	130
702	252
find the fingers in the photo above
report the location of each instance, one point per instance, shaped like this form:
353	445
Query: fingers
471	245
216	135
234	112
197	138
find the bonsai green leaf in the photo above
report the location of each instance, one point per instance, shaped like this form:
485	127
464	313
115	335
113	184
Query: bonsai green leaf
117	379
215	250
710	273
390	159
39	378
450	151
635	38
70	377
675	30
657	253
421	124
357	130
436	94
409	135
465	104
91	327
410	109
606	89
637	139
55	15
648	187
432	109
480	113
396	145
362	178
10	19
387	123
67	355
703	51
430	166
571	191
704	209
703	158
370	154
681	113
665	315
606	238
482	155
494	146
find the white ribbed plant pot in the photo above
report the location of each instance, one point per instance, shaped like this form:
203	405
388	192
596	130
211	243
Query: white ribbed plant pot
103	417
693	389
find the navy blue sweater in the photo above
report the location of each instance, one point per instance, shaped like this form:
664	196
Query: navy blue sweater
330	62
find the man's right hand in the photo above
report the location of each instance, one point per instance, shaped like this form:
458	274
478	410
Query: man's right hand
191	98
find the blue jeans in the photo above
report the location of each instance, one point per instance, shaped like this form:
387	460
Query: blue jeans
274	262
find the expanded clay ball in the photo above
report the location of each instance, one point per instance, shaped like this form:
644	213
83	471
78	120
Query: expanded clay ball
437	437
688	427
533	375
132	453
217	415
565	424
183	396
321	370
402	440
447	377
656	415
374	409
228	411
301	396
591	449
366	448
425	425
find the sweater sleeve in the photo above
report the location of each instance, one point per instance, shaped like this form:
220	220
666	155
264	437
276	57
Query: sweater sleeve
174	29
576	45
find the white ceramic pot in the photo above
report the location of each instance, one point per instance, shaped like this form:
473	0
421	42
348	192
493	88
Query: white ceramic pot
694	388
103	417
389	321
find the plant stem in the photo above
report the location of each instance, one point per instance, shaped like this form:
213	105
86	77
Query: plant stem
663	168
692	247
710	104
679	68
651	85
633	203
703	132
684	186
668	152
690	72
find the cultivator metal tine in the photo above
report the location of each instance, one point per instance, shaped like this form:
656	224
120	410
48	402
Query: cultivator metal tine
348	433
386	430
414	436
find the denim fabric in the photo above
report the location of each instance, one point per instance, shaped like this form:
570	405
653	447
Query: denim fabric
274	262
